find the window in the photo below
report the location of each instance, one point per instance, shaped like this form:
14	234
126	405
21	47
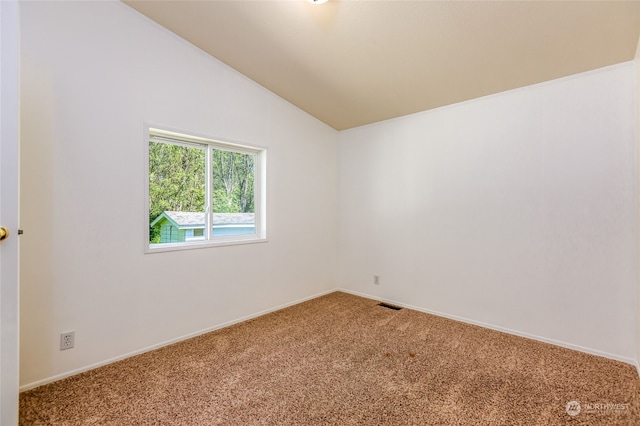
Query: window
203	192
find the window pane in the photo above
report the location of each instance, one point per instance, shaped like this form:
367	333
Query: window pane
233	193
176	192
203	192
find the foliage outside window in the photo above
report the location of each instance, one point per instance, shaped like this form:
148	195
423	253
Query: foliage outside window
202	191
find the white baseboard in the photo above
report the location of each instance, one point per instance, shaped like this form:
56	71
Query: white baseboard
167	343
355	293
578	348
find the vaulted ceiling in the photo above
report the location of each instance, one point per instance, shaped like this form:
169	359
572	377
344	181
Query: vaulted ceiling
351	63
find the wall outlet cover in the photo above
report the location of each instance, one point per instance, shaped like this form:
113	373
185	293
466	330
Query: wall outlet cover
67	340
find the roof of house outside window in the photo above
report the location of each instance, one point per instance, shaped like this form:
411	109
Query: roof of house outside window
189	220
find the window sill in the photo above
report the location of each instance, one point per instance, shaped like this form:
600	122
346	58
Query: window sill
168	247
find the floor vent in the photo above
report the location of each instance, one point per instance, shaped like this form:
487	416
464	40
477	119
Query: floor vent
386	305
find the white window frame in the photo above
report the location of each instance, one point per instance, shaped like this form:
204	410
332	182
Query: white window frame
260	190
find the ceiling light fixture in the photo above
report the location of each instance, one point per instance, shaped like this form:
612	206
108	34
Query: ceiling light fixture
317	1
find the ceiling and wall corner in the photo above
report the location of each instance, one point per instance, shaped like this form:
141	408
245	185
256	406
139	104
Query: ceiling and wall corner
350	63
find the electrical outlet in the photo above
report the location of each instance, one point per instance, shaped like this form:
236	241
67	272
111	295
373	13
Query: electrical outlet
376	279
67	340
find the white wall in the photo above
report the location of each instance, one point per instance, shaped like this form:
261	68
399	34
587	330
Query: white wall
92	74
517	211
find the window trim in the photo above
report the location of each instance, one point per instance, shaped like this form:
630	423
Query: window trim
161	134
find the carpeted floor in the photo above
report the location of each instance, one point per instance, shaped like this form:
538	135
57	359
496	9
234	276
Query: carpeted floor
343	360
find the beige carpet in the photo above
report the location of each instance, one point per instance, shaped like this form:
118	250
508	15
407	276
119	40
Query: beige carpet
343	360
